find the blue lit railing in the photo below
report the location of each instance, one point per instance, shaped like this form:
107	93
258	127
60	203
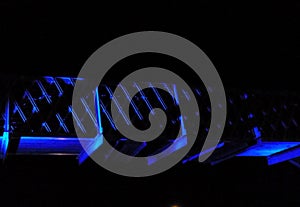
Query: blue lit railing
41	119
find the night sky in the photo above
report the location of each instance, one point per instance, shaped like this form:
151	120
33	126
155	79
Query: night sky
251	44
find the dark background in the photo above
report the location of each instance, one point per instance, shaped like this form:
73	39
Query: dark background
252	44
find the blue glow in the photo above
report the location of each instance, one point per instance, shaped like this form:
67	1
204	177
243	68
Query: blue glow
295	122
250	116
284	124
46	126
196	156
178	144
183	130
75	116
158	97
44	145
168	89
295	163
144	98
131	102
245	96
32	101
67	80
117	105
198	91
4	139
187	96
267	148
7	119
61	123
44	92
90	148
60	91
140	147
107	115
49	79
98	112
257	133
89	111
17	108
284	156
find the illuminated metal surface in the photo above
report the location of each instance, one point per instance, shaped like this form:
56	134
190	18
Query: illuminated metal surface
267	148
39	120
4	139
179	143
196	156
45	145
274	152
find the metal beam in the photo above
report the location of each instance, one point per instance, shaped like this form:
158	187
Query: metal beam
285	155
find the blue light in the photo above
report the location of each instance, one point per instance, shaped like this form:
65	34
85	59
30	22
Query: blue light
45	145
75	116
140	147
193	157
60	91
4	139
274	152
67	80
131	102
90	148
178	144
49	79
284	124
187	96
117	105
267	148
295	122
167	88
107	115
295	163
289	154
98	112
144	97
245	96
44	92
32	101
61	123
158	96
46	126
256	132
89	111
176	97
198	91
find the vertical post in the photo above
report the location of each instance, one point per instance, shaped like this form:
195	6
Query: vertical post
183	130
5	137
98	140
98	112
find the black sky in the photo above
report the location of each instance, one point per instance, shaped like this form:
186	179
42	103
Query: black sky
252	44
